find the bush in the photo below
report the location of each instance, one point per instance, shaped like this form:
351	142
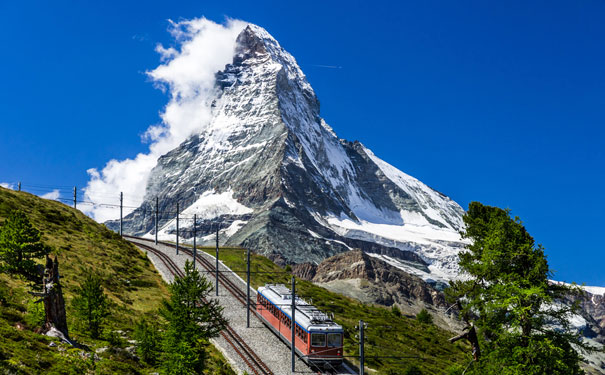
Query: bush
424	317
395	310
35	315
455	370
412	370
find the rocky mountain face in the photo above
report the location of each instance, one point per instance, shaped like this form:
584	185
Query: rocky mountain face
372	280
271	175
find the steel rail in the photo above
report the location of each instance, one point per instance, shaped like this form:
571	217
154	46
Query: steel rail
253	362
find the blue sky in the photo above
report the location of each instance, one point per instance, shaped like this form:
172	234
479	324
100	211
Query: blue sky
500	103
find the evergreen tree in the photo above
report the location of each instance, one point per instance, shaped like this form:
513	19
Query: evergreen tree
424	317
192	321
510	300
148	341
20	246
90	304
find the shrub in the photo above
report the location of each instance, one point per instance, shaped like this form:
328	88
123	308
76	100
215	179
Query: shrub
424	317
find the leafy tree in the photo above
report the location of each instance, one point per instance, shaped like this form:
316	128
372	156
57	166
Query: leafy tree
192	321
424	317
148	341
510	301
90	304
20	246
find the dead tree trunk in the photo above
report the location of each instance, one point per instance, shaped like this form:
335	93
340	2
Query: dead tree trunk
52	296
471	336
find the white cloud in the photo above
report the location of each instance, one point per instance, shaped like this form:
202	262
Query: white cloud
187	74
7	185
54	195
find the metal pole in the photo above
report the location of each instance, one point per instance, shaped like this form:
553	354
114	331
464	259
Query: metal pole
121	221
293	325
177	229
361	347
157	212
75	196
217	228
194	238
248	289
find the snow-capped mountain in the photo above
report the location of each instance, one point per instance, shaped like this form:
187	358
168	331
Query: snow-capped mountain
274	177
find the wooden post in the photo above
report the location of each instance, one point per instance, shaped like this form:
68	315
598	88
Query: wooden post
293	325
361	348
217	228
177	229
194	238
157	212
248	288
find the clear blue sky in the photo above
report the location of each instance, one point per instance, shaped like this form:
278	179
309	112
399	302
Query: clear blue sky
500	103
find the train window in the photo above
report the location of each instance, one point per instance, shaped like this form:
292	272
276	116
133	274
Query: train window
318	339
334	339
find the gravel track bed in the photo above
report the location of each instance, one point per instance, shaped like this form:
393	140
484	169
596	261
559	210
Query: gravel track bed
271	350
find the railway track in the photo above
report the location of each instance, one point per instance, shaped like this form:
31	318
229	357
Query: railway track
228	284
250	358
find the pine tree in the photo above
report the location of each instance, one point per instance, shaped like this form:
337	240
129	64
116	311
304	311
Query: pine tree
192	321
20	246
510	301
148	341
90	304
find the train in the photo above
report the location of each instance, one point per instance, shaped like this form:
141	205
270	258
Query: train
318	339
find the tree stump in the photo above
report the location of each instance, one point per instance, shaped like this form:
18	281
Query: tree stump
54	304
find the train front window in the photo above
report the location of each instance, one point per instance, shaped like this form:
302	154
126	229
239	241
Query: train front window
318	339
334	339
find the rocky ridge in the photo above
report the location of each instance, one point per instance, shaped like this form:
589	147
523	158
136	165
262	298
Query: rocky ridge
371	280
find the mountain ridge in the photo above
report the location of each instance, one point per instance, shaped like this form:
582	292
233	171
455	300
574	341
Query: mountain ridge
272	175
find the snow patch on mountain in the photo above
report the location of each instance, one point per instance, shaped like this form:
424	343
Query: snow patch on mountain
434	204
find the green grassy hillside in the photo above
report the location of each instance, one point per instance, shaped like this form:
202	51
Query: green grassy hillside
133	286
389	334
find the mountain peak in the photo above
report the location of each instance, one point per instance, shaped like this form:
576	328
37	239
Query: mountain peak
250	44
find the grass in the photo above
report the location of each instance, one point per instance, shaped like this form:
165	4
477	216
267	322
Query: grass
388	334
133	286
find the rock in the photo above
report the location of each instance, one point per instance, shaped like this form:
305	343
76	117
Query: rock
371	280
52	344
101	350
305	271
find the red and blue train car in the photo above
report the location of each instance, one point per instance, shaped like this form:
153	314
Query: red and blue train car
319	340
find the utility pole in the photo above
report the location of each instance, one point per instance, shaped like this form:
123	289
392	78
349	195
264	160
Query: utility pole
361	347
121	204
75	196
194	237
217	228
157	212
293	325
177	229
248	289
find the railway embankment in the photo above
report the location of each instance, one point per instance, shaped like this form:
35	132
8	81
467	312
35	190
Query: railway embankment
265	345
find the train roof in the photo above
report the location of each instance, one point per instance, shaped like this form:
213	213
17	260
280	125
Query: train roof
307	315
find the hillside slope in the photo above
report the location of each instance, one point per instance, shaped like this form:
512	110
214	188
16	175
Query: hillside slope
394	342
133	286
